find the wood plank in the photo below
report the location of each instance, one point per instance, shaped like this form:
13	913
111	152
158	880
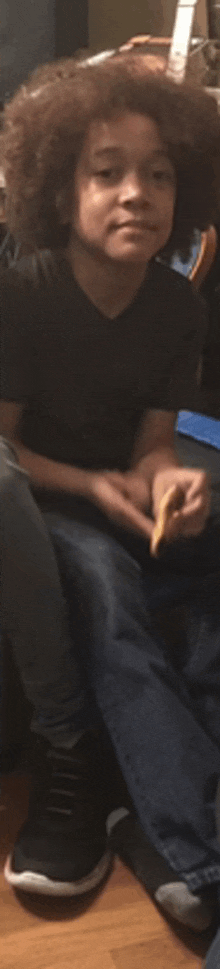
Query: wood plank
153	956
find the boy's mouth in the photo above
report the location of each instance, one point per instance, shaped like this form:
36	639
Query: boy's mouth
137	225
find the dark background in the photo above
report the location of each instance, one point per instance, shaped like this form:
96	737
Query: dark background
33	32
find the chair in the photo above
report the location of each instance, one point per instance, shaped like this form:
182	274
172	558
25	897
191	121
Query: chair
159	47
205	255
197	426
202	253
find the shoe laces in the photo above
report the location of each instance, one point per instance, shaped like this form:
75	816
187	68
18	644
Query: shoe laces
69	788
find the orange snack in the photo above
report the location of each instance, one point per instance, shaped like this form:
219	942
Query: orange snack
171	501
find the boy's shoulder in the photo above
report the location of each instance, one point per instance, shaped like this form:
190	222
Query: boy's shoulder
28	290
35	270
184	306
175	282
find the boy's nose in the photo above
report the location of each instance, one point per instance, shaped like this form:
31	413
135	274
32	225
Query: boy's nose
135	189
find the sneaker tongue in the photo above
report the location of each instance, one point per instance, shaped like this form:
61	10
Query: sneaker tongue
67	789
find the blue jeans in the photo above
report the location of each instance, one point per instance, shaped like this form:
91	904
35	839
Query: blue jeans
162	711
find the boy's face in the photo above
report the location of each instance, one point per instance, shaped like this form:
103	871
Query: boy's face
124	190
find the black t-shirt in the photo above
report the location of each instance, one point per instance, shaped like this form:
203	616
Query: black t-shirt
84	380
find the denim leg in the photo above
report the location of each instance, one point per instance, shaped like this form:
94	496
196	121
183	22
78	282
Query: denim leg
200	666
33	611
170	764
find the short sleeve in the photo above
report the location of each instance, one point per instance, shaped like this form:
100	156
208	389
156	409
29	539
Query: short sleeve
184	334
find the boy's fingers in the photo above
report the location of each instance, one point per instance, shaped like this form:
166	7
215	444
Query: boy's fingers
191	521
119	508
114	478
128	515
139	522
131	487
195	507
134	518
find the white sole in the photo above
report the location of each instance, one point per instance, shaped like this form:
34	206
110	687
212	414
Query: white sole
36	884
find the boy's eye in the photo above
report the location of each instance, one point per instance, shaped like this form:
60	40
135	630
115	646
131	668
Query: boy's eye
162	175
107	174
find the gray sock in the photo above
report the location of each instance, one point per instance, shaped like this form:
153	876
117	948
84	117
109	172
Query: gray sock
177	900
161	882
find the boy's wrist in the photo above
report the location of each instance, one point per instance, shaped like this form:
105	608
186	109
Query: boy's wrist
69	479
80	482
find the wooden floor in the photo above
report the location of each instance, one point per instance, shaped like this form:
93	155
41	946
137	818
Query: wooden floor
119	928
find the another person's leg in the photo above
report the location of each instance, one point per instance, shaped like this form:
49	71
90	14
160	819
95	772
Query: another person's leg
34	610
66	805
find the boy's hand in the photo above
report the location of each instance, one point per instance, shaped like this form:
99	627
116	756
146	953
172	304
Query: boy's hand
133	485
110	491
192	516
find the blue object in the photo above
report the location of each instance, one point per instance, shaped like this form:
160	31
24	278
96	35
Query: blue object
204	429
201	428
186	268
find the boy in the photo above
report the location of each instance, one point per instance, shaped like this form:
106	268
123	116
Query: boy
100	343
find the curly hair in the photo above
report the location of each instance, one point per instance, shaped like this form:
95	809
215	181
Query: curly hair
46	122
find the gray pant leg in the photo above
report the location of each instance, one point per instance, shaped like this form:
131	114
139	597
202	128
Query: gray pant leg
33	609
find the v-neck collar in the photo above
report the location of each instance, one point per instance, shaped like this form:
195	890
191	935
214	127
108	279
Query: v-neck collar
64	266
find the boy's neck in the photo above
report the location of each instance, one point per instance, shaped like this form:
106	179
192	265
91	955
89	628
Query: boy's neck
110	286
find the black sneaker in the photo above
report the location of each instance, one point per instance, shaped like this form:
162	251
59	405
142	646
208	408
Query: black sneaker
62	848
